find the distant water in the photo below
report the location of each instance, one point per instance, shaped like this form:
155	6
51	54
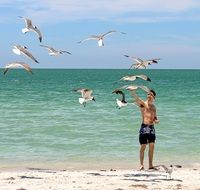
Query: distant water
43	123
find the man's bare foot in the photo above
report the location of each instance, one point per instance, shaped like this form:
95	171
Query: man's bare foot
141	168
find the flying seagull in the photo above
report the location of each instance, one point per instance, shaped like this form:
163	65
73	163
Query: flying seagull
17	49
31	28
17	64
122	102
134	77
54	52
100	37
141	63
86	95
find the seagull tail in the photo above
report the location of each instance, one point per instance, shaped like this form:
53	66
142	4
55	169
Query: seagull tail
100	43
81	100
16	51
24	30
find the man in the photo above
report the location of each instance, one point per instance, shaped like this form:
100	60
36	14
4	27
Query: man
147	131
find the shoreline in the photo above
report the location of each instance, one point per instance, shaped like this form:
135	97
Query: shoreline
91	165
98	179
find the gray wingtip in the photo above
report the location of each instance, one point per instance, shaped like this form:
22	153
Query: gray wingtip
148	79
40	39
126	55
5	72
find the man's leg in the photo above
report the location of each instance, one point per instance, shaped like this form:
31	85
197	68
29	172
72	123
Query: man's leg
151	151
142	149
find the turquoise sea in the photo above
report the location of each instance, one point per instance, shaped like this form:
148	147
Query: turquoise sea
43	124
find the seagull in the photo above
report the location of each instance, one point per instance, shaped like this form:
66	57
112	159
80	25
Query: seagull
17	49
122	102
30	27
141	63
17	64
134	77
167	170
54	52
100	37
86	95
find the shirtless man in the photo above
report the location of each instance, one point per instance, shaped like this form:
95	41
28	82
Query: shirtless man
147	131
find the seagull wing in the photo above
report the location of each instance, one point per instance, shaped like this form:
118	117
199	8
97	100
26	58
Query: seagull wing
10	66
130	57
136	66
16	65
63	51
124	78
50	49
164	167
27	67
5	70
28	54
107	33
130	87
129	78
144	77
89	38
111	31
117	91
80	90
87	94
133	65
139	65
37	31
138	60
145	88
27	21
155	60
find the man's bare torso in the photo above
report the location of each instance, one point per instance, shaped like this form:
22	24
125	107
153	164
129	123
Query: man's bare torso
148	113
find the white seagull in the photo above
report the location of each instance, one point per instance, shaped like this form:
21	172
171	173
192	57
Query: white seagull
54	52
17	64
134	77
166	169
141	63
86	95
30	27
122	102
17	49
100	37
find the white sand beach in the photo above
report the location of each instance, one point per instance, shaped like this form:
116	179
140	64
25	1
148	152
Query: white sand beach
187	178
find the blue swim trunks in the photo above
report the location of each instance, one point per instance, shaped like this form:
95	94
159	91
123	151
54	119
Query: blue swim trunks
147	134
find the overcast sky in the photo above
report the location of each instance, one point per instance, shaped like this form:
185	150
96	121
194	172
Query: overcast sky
169	30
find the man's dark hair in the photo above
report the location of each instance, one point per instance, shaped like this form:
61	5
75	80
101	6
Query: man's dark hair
154	93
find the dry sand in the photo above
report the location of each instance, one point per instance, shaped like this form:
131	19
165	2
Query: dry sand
110	179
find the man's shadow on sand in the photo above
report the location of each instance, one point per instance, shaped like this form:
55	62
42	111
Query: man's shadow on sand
152	177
